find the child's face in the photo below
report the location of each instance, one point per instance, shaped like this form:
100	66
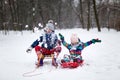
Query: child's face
74	43
74	39
48	30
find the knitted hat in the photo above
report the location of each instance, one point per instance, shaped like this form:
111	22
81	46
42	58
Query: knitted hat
50	25
74	38
50	21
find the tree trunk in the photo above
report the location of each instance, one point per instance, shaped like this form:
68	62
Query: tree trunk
59	14
88	25
81	14
96	15
41	11
1	15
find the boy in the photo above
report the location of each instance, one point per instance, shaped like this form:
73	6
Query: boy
50	45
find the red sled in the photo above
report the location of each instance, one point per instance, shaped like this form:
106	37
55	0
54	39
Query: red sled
71	64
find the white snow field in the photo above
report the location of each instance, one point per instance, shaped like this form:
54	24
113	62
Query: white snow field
101	60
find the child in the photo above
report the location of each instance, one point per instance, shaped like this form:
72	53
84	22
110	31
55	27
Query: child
50	45
75	50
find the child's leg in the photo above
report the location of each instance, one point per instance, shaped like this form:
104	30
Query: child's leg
37	50
40	56
54	63
55	54
40	60
78	59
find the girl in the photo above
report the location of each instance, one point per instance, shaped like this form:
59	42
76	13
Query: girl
75	49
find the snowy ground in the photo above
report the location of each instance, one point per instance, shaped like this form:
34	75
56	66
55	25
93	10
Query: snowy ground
102	60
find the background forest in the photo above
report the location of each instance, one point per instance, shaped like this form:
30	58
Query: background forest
86	14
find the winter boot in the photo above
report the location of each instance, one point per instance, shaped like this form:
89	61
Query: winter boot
40	63
62	61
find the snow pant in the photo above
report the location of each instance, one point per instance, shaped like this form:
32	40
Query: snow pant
42	52
71	61
73	57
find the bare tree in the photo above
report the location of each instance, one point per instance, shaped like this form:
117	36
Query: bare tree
59	13
81	14
88	24
15	14
96	15
1	15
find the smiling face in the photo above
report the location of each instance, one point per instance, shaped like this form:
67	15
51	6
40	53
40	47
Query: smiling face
74	39
47	30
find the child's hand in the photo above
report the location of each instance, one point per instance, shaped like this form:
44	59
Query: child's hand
61	37
95	40
29	50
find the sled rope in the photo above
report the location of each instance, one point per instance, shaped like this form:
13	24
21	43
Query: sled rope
29	74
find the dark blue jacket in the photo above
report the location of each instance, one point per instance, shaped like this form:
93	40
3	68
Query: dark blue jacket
48	41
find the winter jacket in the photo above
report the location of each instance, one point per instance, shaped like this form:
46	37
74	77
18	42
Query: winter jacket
47	40
76	49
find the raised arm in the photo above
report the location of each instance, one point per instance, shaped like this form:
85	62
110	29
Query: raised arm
83	45
64	42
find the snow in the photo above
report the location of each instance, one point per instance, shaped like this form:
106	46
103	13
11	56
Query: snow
102	60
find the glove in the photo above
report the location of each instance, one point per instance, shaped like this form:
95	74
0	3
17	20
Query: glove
95	40
61	37
29	50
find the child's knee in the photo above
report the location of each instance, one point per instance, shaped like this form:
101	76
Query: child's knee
37	48
58	49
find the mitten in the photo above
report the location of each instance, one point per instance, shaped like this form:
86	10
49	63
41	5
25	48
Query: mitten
61	37
29	50
95	40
